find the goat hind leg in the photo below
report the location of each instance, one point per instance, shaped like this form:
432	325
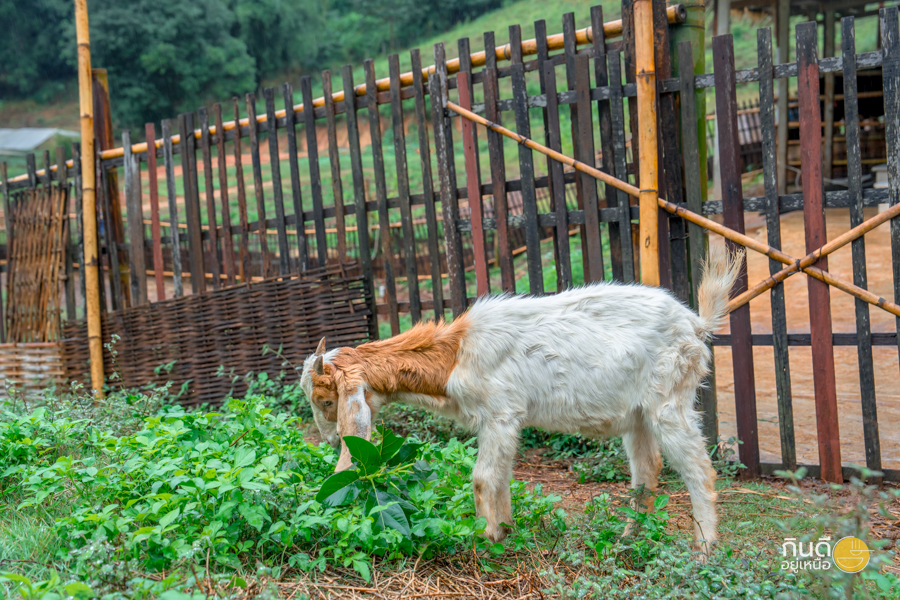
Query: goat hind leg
497	444
645	462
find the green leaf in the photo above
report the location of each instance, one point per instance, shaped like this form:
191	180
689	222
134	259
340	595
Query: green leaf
404	455
244	457
388	513
335	483
170	516
364	453
79	590
660	502
390	443
362	567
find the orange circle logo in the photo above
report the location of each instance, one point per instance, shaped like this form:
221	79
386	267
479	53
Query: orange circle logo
851	555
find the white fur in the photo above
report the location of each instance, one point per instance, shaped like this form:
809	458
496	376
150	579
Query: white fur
604	359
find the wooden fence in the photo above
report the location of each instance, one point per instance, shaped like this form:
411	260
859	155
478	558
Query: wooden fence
437	214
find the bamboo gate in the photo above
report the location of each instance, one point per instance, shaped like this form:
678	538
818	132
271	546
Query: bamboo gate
446	220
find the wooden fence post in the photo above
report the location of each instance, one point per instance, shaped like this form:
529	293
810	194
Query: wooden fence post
733	211
135	217
649	156
155	229
814	221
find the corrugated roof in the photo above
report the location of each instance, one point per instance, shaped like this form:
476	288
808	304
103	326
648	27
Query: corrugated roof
26	139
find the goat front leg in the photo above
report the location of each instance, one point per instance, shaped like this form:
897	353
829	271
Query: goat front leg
497	444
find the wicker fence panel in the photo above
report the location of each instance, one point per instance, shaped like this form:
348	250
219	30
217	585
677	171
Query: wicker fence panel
30	368
211	341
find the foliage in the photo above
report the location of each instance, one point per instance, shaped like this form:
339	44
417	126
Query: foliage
236	487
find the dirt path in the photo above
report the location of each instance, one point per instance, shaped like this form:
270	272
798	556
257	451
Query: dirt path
887	371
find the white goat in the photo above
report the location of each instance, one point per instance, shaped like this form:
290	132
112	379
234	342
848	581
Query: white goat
600	360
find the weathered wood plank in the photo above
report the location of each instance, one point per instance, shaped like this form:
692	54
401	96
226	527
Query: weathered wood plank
135	222
437	287
623	204
557	182
733	210
117	300
409	234
585	153
79	219
858	248
443	143
155	228
174	233
773	229
334	160
213	241
242	200
264	269
296	194
312	153
359	195
529	197
570	50
473	187
192	202
814	222
69	245
384	222
222	165
284	251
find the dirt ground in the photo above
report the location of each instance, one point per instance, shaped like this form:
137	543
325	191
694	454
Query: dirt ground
887	375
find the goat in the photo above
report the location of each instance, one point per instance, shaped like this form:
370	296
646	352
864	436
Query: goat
604	359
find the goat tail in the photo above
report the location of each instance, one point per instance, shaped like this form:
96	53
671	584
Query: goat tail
720	270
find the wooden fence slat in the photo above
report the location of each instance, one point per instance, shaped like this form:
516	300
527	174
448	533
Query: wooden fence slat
858	247
112	245
773	229
69	246
384	221
135	223
526	170
174	233
359	195
557	180
814	225
192	202
284	251
671	241
211	221
503	252
409	234
290	125
473	187
4	179
623	203
557	193
697	236
334	160
733	211
437	285
890	44
312	154
629	59
47	178
443	144
31	170
585	153
570	50
607	154
155	228
79	220
261	220
242	198
222	165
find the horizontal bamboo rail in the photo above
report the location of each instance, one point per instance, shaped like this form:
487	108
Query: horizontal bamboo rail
675	13
709	224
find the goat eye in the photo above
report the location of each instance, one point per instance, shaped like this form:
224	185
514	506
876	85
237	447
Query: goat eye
327	403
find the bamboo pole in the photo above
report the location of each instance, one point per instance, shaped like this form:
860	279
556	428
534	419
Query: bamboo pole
88	179
647	142
676	210
813	257
675	14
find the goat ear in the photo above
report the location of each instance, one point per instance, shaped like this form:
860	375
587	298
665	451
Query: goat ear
318	366
321	347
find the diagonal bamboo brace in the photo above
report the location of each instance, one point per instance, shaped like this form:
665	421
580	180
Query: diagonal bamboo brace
709	224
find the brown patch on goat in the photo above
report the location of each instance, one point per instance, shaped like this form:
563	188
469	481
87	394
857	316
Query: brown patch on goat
325	392
418	361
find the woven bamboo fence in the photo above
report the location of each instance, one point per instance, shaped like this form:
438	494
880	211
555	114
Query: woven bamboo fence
28	369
